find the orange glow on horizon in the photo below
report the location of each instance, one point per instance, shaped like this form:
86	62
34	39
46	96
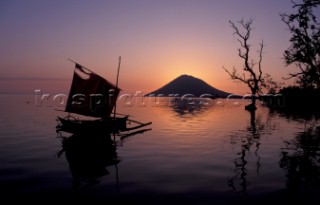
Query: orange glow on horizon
158	42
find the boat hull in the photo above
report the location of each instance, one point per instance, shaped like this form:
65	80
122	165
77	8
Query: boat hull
92	126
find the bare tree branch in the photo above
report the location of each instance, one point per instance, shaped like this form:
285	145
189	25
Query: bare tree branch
255	80
260	60
234	75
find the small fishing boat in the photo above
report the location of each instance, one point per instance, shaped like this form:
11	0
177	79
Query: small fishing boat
93	96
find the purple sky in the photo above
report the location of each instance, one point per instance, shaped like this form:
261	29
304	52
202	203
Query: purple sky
158	40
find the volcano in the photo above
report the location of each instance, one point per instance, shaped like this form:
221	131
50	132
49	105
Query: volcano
187	84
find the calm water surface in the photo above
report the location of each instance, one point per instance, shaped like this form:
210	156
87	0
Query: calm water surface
218	154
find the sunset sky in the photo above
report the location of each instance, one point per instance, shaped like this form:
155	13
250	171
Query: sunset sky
158	40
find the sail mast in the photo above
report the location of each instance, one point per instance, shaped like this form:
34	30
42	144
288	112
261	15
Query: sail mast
88	87
115	105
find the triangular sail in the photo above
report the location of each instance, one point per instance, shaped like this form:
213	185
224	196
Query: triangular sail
90	94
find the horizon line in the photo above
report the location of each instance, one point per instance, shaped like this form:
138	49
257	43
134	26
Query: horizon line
32	78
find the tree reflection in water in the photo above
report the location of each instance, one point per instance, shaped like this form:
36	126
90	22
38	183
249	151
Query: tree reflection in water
250	141
301	162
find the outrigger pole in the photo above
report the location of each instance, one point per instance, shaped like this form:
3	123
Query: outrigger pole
115	105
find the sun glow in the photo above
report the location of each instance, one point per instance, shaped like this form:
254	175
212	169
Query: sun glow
157	43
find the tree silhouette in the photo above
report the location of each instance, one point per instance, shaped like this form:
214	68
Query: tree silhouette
301	161
254	79
305	43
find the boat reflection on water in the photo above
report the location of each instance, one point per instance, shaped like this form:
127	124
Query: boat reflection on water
89	155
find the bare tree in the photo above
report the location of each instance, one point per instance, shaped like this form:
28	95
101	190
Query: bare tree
250	76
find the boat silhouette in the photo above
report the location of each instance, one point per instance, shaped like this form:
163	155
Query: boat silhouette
93	96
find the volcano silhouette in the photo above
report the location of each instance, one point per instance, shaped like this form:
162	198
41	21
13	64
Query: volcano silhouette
187	84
